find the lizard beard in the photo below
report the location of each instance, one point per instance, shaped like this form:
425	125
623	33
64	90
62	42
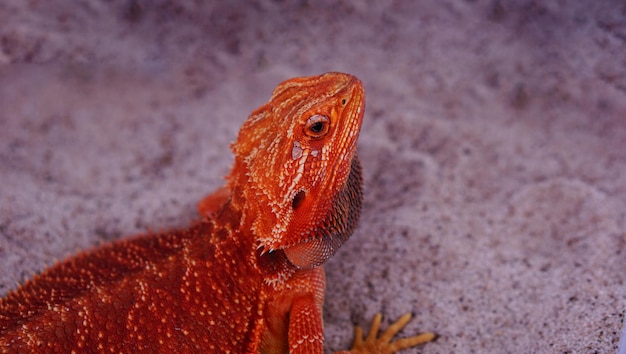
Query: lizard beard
335	228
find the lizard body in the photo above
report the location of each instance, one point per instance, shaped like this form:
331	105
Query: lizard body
248	277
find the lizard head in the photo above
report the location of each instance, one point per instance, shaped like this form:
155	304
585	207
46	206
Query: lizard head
296	167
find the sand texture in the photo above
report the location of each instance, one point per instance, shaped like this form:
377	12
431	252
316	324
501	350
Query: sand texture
493	147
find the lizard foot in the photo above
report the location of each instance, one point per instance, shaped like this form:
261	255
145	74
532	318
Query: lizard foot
384	344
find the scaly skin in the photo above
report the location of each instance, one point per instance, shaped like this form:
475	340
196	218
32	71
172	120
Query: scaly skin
247	278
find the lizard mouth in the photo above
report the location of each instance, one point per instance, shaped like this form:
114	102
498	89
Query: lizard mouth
335	229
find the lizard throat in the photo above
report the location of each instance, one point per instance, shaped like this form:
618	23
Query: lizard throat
337	226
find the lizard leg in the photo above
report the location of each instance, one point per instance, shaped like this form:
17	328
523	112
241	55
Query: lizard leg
306	330
384	344
212	202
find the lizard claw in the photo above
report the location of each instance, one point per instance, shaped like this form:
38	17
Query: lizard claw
384	343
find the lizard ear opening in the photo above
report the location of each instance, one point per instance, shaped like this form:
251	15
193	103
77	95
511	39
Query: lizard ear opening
297	200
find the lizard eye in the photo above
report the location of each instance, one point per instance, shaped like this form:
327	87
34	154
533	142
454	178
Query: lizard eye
317	126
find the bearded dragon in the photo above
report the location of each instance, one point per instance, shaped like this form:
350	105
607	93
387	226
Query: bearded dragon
246	278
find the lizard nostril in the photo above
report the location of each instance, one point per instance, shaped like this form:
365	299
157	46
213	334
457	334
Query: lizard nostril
297	200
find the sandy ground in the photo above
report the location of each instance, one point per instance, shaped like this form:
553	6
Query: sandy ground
494	149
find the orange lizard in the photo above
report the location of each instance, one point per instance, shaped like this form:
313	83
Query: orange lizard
248	277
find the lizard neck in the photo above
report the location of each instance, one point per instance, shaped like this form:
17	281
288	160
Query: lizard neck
333	226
